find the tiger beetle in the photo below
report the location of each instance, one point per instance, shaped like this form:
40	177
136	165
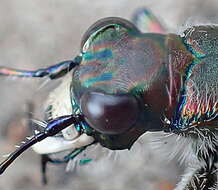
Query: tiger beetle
130	79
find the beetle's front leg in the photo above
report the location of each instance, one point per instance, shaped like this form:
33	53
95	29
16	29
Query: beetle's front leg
45	158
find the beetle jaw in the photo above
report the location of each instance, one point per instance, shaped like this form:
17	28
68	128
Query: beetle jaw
56	144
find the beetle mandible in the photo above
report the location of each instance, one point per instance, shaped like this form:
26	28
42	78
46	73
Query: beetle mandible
126	82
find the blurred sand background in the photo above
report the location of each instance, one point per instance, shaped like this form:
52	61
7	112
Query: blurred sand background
36	34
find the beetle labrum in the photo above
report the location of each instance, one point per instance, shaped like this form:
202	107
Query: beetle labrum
124	83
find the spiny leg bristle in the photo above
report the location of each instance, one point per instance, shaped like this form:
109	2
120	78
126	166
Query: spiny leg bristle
40	123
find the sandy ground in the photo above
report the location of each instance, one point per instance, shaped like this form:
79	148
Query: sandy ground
36	34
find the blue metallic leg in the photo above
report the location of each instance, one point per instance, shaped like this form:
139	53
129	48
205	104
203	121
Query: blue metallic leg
45	159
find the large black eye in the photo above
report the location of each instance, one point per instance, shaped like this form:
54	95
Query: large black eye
109	114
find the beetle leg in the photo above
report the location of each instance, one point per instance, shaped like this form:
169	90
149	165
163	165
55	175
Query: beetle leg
45	159
53	72
147	22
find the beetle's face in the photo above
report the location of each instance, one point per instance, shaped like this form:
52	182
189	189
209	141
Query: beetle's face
114	83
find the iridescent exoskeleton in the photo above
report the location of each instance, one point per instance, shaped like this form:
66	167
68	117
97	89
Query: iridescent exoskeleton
126	82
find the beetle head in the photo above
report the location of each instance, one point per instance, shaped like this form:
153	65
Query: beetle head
121	69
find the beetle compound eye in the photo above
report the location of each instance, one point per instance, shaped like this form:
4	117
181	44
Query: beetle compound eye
109	114
103	24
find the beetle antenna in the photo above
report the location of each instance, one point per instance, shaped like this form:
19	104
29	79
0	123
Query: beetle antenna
53	72
53	127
